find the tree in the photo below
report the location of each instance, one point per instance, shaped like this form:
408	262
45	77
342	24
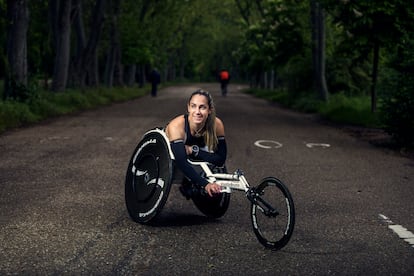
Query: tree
369	27
85	67
61	11
18	22
318	48
113	66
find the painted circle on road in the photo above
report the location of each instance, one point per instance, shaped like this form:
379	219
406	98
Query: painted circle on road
267	144
316	145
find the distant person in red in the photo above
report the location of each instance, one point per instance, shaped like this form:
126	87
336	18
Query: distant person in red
224	78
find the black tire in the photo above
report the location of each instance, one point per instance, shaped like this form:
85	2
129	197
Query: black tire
273	231
148	178
212	207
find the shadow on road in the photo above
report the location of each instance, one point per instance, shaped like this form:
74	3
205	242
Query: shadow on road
172	219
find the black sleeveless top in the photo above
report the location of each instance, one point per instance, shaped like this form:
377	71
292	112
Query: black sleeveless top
190	139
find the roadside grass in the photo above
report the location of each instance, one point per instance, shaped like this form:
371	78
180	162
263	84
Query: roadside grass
339	108
44	104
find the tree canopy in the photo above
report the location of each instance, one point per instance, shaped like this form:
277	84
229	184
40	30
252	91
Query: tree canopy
317	47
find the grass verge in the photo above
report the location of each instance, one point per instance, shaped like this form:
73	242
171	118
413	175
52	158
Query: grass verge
43	104
339	109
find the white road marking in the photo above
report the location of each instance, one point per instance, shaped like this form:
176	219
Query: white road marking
268	144
320	145
275	144
401	231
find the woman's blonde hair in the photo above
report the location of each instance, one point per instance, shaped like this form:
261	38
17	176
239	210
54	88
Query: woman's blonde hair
210	134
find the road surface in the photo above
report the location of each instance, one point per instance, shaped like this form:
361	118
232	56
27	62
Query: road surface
63	210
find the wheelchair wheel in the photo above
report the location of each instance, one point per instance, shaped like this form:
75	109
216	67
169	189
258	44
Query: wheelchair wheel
272	213
213	207
148	177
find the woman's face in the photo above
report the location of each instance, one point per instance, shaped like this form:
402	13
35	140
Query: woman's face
198	109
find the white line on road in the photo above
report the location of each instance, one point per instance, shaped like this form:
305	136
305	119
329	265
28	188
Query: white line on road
321	145
401	231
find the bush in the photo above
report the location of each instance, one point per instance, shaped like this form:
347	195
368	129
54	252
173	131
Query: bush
398	112
398	96
14	114
339	108
350	110
39	105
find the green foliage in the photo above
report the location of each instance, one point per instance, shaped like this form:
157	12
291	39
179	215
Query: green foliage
350	110
275	37
304	102
340	108
196	37
15	113
40	54
18	91
398	96
398	114
296	75
355	29
214	35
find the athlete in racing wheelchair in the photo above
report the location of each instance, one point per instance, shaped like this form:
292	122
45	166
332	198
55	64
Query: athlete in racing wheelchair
191	151
197	135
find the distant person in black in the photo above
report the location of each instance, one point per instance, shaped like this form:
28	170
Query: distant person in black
155	79
224	78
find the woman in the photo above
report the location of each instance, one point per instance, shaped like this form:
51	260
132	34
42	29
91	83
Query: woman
199	134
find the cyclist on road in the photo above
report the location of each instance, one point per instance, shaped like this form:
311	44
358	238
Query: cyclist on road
224	78
199	135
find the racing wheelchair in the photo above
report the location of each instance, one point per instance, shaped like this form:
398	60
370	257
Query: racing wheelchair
151	172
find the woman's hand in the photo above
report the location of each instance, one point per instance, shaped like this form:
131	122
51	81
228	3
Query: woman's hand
188	150
212	189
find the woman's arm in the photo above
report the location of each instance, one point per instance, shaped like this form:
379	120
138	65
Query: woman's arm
218	157
176	133
181	161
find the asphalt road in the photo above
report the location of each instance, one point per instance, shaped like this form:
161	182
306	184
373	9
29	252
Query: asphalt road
63	210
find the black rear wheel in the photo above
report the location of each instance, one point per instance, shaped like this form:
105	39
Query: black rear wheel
148	177
272	213
216	206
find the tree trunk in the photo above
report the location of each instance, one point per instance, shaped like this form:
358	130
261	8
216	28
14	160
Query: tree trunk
374	77
109	68
80	38
130	72
142	77
318	49
79	27
113	68
53	6
90	59
18	19
272	79
321	42
86	68
62	50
